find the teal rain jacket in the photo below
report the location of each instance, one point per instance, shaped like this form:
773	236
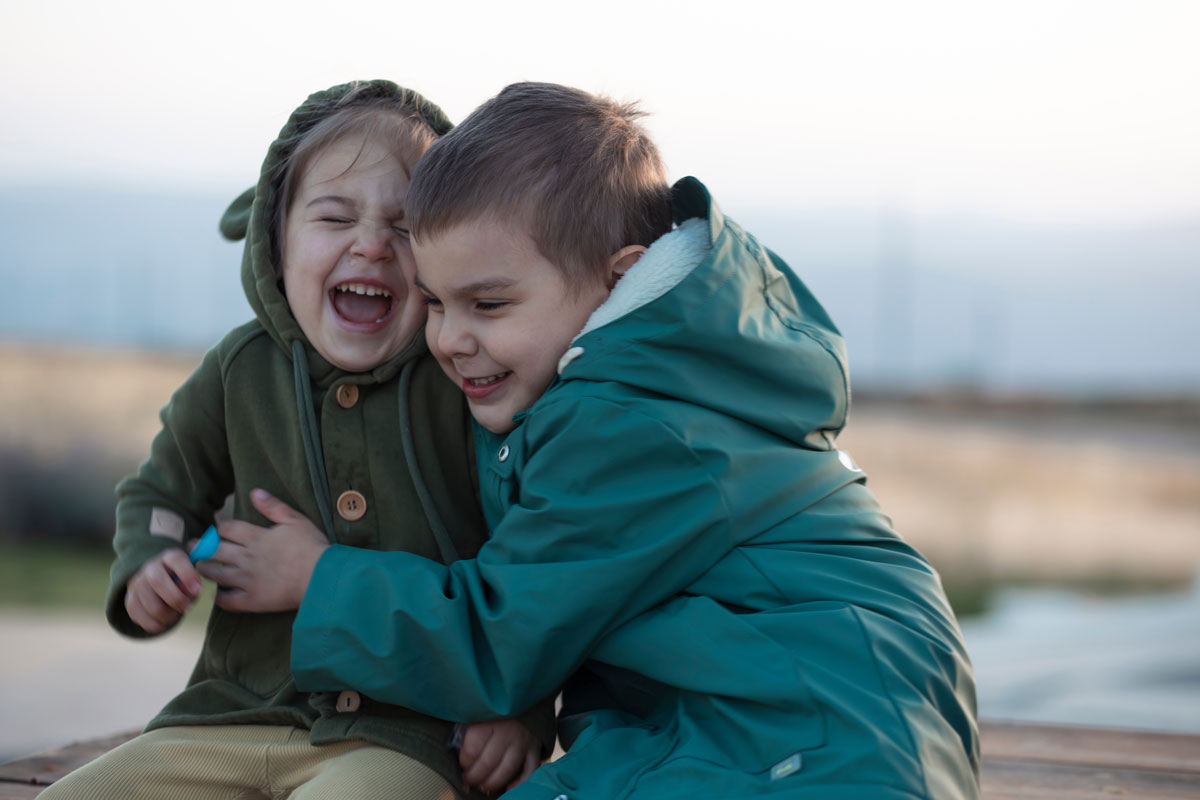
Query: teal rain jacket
673	525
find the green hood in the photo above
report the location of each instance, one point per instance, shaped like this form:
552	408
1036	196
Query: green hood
247	216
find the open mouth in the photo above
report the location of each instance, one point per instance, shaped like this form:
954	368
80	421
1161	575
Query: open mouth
362	303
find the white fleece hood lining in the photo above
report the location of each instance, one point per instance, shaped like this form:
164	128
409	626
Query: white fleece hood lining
669	260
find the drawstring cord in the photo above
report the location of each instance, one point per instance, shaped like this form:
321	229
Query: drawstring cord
440	534
311	436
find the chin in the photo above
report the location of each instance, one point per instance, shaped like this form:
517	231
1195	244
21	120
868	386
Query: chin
495	423
355	360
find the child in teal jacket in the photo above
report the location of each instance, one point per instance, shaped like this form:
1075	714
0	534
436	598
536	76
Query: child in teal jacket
673	526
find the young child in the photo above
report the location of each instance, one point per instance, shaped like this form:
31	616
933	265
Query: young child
672	522
294	401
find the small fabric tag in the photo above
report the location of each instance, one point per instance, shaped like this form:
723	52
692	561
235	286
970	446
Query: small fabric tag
786	767
164	522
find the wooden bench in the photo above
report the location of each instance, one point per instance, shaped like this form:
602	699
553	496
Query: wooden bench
1020	761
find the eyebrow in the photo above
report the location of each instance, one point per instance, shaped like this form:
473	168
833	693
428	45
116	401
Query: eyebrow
330	198
478	287
348	202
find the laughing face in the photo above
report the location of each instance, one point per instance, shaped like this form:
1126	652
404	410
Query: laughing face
347	263
500	315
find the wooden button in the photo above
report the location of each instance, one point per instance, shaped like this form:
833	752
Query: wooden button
351	505
347	395
348	702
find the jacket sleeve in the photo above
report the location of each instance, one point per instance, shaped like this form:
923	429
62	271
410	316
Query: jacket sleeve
615	513
175	492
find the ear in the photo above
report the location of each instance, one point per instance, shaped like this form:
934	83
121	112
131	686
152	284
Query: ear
620	261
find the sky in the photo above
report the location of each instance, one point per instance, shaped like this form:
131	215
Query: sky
1051	112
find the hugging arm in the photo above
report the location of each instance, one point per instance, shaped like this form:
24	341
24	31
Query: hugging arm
589	543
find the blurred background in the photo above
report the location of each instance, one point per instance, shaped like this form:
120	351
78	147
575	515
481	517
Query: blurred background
998	203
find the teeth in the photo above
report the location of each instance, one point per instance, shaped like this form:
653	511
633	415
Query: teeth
484	381
361	288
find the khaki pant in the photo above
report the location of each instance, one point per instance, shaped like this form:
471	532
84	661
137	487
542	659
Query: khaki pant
228	762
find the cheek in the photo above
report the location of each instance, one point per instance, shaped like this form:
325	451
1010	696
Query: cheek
433	327
301	284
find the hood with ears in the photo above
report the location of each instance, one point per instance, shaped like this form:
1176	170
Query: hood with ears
248	216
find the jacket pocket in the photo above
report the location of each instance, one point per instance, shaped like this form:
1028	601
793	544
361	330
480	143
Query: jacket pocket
250	650
741	698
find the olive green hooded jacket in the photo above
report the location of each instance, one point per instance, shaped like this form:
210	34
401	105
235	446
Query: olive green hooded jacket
672	522
265	410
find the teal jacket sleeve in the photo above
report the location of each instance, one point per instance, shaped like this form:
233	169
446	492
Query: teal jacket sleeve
614	514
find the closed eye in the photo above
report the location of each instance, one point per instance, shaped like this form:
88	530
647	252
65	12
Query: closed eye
489	305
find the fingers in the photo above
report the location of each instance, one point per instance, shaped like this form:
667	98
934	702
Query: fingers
159	578
475	739
178	564
153	598
147	611
533	760
496	754
507	771
224	575
238	532
272	507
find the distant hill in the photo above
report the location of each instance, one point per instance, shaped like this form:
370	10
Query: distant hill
963	302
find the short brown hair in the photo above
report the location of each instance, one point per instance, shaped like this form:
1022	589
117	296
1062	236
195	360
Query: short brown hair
576	169
386	118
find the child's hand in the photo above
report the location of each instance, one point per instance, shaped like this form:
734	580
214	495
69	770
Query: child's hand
161	591
498	755
265	569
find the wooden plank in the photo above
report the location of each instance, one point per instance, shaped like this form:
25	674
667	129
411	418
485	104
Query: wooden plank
1021	762
1084	746
49	765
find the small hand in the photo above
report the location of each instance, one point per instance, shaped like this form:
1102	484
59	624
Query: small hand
161	591
498	755
265	569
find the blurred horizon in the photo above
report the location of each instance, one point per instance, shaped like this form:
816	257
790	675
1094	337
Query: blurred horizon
958	303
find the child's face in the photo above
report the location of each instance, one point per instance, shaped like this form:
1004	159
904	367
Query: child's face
347	263
500	315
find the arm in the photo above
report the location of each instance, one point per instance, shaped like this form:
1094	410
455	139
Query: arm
171	498
589	543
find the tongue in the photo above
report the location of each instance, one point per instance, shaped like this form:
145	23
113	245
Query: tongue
360	307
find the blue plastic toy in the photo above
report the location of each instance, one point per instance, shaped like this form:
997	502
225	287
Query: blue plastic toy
206	546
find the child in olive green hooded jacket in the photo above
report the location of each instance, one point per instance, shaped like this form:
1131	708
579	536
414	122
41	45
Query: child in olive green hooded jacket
304	401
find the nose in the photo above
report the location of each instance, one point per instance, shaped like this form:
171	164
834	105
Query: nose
449	337
373	242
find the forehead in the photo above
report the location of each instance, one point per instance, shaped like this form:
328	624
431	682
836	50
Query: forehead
481	253
353	157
